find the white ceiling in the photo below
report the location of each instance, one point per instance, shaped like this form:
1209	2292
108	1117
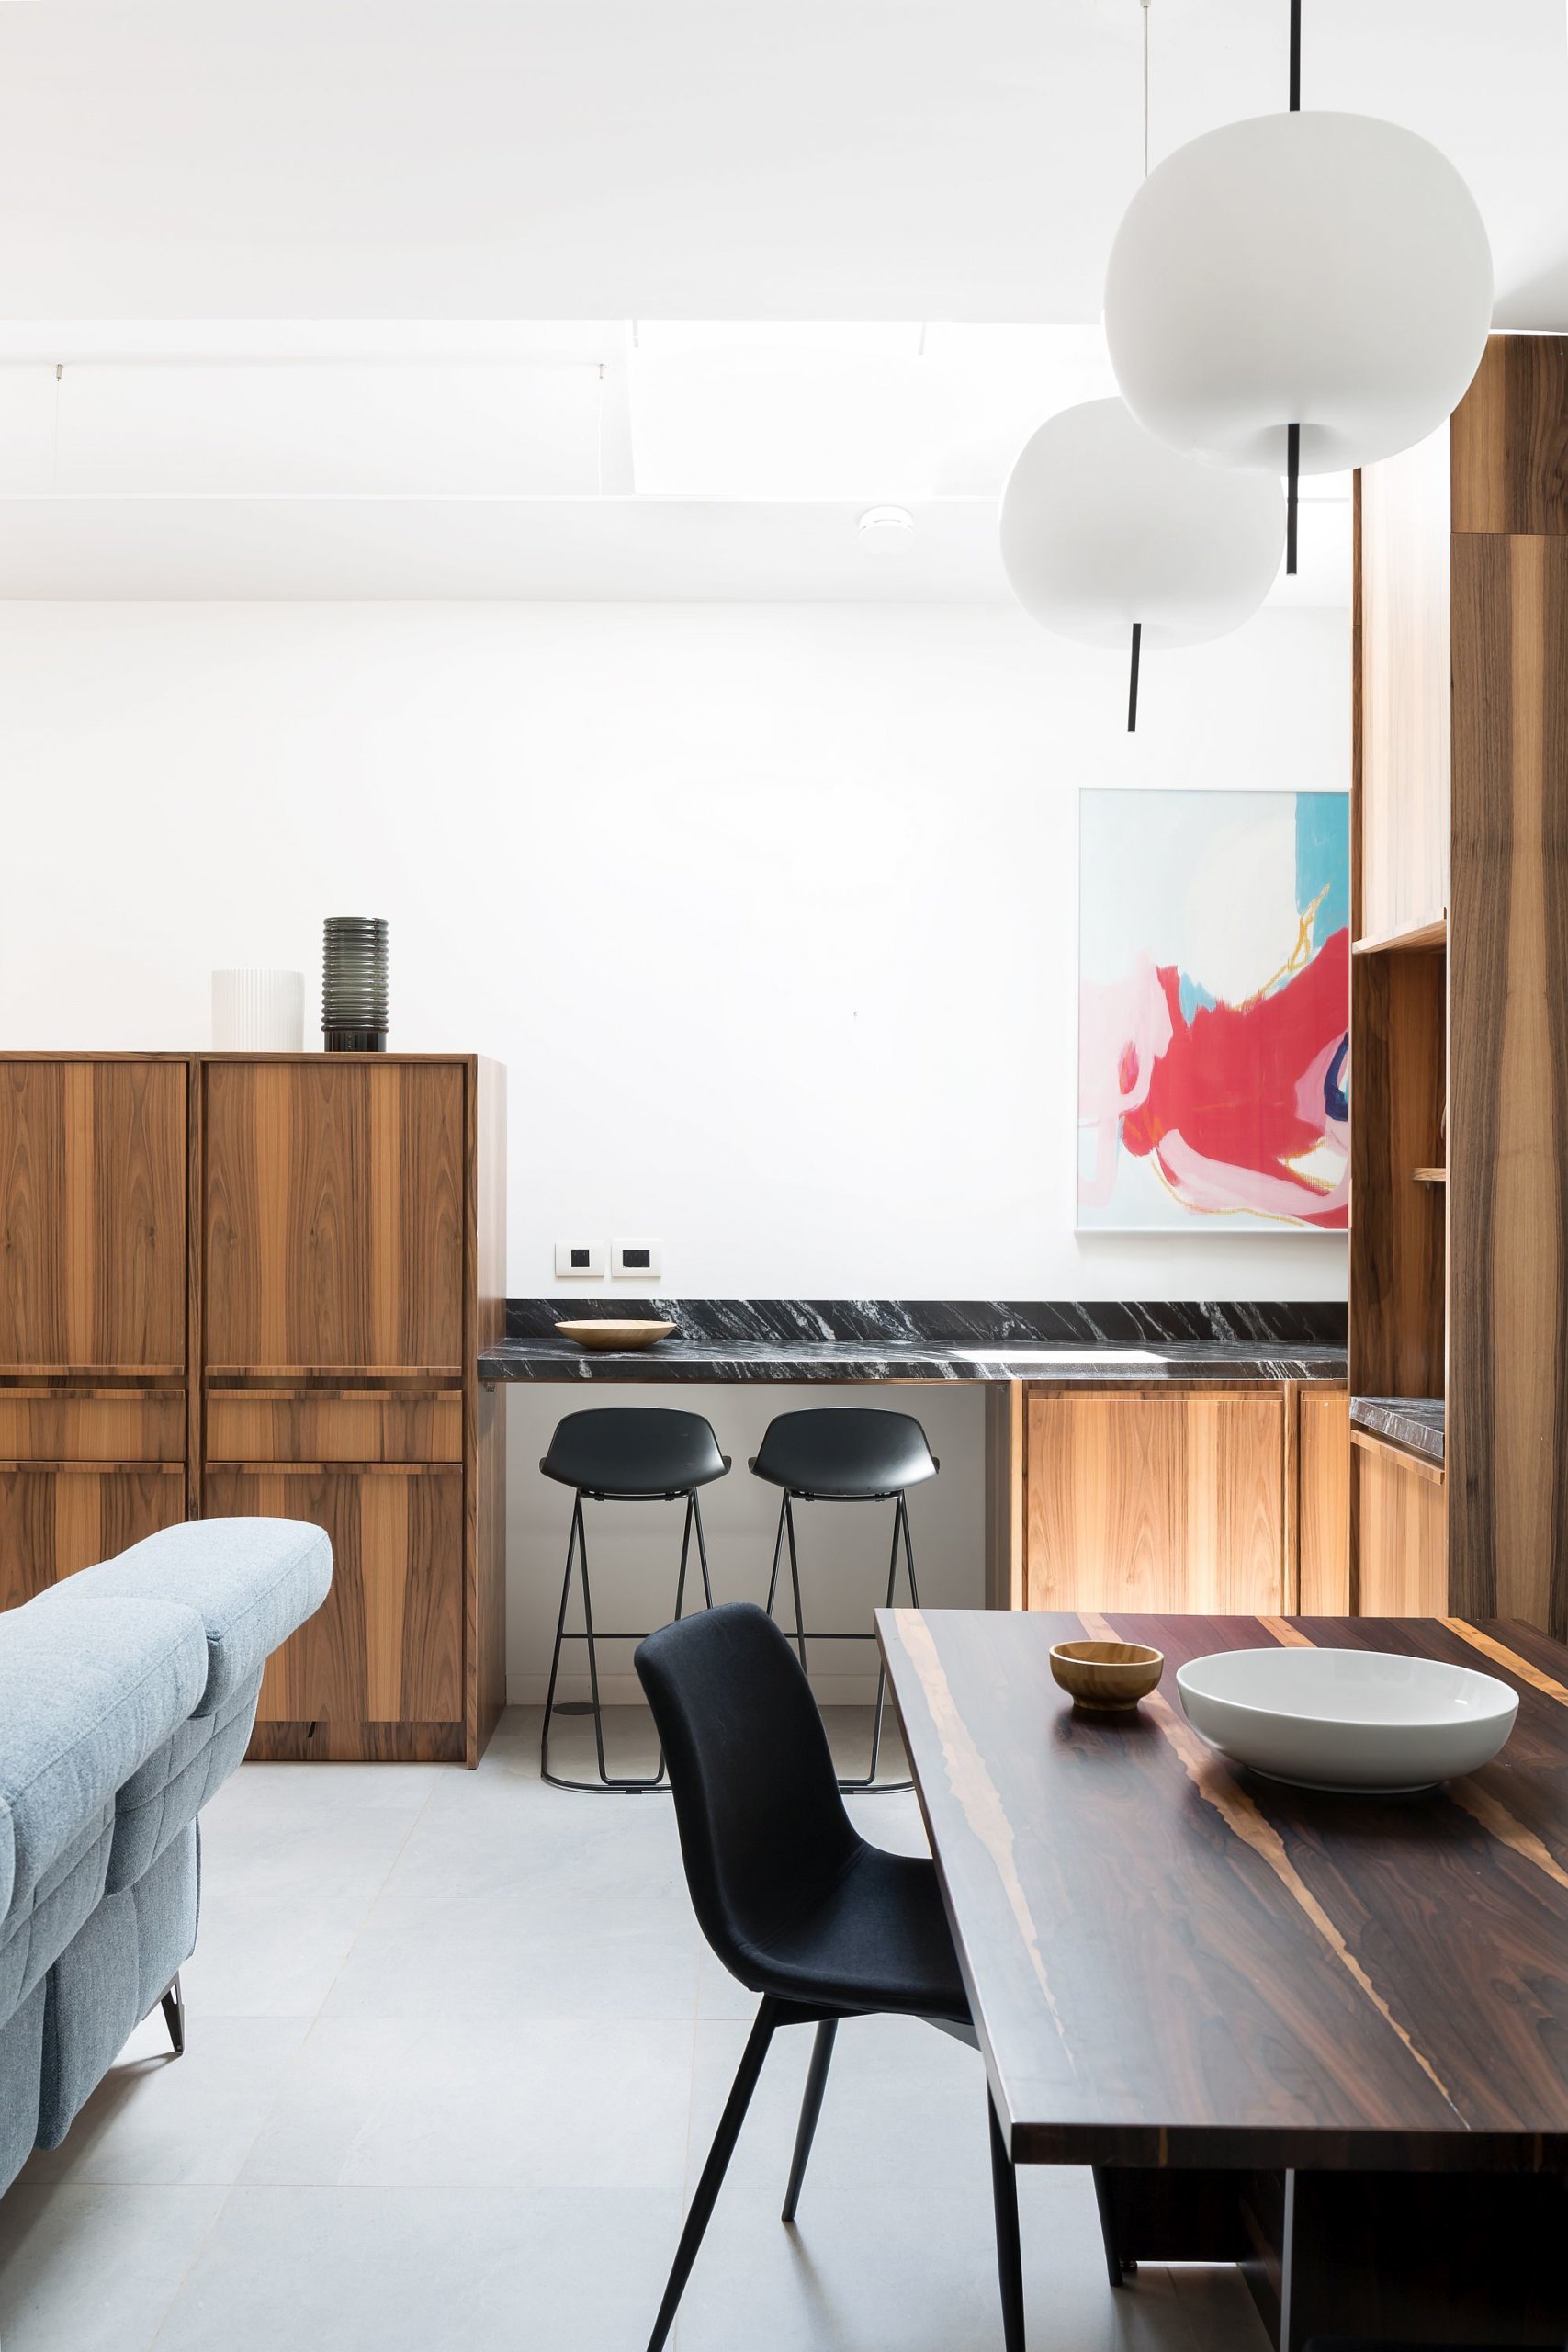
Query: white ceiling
573	459
283	249
697	159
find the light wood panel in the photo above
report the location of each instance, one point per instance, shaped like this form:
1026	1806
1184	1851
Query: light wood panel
1404	699
1156	1501
1507	1188
55	1518
1322	1517
348	1425
1510	439
92	1214
61	1424
335	1213
387	1644
1400	1534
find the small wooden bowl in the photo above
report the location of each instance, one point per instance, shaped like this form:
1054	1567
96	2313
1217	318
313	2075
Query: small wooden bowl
603	1333
1106	1676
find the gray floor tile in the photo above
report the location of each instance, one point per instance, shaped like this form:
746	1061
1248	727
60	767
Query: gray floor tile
177	2122
427	2270
93	2269
454	2100
869	2268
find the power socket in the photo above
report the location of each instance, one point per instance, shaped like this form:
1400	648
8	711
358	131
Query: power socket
580	1262
636	1262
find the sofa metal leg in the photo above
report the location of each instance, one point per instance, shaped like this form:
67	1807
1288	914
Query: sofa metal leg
174	2007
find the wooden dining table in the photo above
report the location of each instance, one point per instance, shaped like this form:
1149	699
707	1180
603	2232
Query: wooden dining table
1324	2037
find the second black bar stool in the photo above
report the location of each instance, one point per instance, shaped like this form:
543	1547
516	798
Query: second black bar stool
833	1455
625	1453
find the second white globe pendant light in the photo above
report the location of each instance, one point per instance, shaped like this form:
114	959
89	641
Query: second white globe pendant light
1110	538
1299	292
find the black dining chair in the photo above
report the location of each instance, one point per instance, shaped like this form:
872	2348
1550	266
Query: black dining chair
624	1454
792	1900
830	1454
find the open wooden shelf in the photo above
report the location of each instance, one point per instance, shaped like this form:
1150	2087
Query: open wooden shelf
1427	935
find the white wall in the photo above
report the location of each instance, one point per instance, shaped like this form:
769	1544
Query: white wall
769	910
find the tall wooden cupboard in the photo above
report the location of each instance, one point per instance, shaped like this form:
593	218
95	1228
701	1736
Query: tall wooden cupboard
1458	1245
245	1284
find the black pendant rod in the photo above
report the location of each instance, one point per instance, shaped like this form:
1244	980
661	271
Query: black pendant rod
1133	681
1293	432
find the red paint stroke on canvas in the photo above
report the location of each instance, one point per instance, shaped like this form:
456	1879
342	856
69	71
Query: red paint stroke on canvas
1240	1092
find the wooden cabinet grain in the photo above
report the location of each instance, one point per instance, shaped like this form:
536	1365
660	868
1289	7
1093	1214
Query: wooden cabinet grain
1323	1507
333	1215
58	1517
93	1214
1156	1500
1400	1534
387	1647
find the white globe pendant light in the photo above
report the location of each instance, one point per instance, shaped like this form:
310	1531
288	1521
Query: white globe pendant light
1301	292
1109	537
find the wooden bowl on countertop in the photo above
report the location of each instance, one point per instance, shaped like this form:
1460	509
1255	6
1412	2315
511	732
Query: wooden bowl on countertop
603	1333
1106	1676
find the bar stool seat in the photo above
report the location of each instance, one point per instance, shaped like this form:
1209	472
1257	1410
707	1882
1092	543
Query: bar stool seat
831	1455
624	1454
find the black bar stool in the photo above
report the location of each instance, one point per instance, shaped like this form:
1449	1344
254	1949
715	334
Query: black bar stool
625	1453
846	1457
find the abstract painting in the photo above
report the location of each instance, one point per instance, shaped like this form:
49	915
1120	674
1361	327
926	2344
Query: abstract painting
1213	1011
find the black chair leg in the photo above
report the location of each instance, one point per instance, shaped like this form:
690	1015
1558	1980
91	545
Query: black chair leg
577	1555
1009	2252
1118	2271
717	2164
810	2109
174	2009
900	1529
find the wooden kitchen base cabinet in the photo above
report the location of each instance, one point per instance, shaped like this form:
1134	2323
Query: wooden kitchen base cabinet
1156	1500
1402	1533
1323	1507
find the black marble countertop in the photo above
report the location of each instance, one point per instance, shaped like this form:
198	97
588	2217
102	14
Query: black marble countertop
1096	1365
1415	1424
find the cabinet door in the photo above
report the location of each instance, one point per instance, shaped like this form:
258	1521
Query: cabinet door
1401	1537
387	1646
1155	1504
55	1520
92	1216
334	1215
1324	1524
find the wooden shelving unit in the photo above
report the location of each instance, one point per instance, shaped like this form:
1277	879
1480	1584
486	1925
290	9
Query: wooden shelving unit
1459	1246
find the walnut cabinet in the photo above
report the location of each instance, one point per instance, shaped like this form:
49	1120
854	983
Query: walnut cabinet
245	1284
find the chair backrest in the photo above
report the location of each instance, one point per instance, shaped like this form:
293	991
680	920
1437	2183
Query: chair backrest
763	1828
630	1450
853	1452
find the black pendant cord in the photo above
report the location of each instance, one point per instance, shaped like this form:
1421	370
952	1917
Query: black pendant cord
1293	432
1133	681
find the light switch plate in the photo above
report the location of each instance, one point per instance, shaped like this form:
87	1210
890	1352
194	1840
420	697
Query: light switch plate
636	1262
579	1261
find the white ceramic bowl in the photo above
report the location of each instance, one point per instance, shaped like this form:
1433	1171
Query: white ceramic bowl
1349	1720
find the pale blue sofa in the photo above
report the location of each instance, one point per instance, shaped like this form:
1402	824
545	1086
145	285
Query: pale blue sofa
126	1695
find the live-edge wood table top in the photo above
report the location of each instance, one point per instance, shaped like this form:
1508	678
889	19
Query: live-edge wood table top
1175	1963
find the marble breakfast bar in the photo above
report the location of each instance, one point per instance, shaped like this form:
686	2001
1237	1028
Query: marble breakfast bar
1179	1455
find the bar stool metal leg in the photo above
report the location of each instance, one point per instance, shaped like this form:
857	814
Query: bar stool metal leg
577	1558
901	1537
